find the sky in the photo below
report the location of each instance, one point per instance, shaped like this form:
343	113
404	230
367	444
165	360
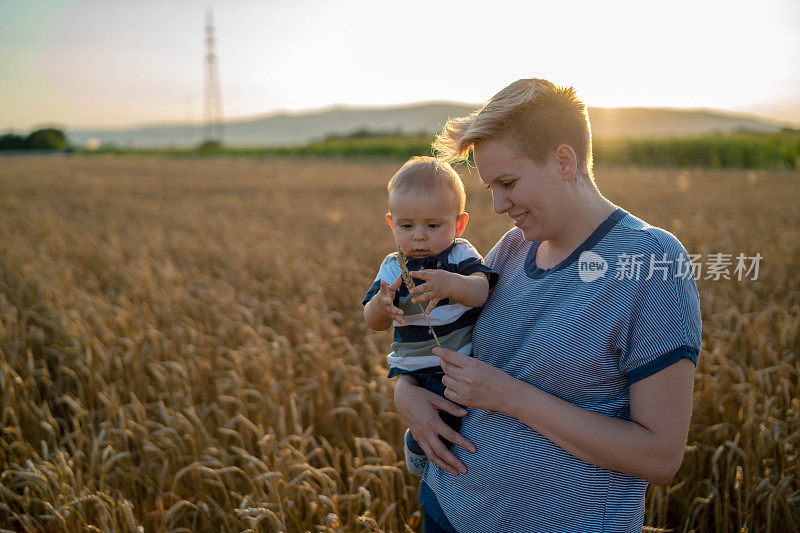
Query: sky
115	63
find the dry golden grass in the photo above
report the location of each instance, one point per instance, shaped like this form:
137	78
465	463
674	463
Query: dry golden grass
182	347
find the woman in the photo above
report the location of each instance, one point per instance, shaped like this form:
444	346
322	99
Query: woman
580	391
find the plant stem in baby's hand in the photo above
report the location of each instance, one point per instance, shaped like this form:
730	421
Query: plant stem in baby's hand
409	282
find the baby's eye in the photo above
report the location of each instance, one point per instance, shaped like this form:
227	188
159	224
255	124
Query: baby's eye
434	226
406	226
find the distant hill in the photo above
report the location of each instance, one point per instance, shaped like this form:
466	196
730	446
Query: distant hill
299	128
641	122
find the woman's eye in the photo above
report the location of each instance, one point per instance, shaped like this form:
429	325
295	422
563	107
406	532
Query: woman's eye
504	185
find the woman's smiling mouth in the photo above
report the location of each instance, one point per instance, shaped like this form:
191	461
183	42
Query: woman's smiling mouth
518	218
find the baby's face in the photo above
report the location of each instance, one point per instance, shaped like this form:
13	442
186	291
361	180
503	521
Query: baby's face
424	224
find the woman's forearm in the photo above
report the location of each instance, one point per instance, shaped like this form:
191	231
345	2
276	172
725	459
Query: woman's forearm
650	447
601	440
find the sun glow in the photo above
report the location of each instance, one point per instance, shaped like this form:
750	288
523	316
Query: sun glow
92	66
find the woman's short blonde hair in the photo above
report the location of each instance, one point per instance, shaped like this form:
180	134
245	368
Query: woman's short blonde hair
532	115
424	174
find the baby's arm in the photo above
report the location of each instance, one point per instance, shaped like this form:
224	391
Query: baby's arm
471	290
380	312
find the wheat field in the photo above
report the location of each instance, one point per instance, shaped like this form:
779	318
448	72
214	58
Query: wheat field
182	346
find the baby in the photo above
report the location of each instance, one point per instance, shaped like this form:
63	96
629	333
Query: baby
426	214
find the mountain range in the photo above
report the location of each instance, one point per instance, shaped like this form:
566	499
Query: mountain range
425	118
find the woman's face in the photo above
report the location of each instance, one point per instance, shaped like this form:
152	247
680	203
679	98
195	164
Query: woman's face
532	194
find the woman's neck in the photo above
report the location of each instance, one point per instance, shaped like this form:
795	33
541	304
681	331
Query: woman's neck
581	221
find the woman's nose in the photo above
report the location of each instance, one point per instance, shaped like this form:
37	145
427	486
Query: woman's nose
500	203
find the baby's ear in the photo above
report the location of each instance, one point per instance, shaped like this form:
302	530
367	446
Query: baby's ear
461	223
389	221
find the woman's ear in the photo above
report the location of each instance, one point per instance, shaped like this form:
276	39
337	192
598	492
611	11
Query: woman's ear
389	221
461	223
567	161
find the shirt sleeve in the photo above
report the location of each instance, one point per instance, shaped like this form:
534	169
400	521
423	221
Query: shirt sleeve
470	261
665	322
389	271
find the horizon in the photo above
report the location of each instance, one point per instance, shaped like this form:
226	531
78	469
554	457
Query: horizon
83	64
355	107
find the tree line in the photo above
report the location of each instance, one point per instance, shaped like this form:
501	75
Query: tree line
41	139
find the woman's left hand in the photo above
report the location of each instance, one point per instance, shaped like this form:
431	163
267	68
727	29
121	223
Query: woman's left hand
473	383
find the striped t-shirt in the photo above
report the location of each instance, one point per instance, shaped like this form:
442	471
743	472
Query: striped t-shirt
584	331
452	321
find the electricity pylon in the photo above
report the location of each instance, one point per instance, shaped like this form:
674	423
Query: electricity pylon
212	129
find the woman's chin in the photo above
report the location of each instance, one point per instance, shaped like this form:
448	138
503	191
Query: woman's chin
530	234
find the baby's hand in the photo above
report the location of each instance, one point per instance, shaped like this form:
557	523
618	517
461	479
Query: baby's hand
439	284
386	300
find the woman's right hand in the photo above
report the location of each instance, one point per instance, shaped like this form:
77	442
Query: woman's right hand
420	411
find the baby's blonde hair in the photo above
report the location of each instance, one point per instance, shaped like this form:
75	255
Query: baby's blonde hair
533	115
425	174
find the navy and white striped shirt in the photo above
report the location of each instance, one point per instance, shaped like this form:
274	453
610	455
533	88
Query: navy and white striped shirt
584	331
452	321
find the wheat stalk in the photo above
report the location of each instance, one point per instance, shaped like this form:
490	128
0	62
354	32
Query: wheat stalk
273	429
401	259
